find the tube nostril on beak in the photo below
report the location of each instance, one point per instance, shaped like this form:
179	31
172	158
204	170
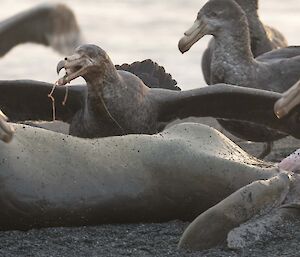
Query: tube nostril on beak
60	66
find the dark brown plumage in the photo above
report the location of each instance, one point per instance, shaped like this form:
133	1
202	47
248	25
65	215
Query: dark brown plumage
52	25
117	102
233	62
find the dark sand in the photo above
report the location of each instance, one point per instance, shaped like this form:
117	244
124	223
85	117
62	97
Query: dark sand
149	239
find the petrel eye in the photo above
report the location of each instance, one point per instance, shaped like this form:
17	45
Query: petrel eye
213	14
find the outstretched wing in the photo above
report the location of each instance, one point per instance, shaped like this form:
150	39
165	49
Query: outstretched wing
24	100
50	24
153	75
228	102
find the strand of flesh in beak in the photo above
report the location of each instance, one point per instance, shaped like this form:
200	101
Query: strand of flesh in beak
65	80
50	95
111	117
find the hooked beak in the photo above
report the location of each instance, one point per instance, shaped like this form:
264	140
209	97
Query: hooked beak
288	101
6	130
75	65
191	36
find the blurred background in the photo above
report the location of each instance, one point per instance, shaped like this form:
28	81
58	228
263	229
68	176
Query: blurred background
133	30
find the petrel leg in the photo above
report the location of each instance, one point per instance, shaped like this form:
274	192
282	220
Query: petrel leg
212	226
6	130
267	148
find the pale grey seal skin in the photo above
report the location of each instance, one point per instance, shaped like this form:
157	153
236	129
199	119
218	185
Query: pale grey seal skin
291	162
233	61
51	179
260	197
52	25
246	215
263	38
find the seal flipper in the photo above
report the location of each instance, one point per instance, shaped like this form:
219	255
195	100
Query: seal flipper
52	25
212	226
24	100
262	228
152	74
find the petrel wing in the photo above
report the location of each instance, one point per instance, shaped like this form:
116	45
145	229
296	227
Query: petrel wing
152	74
279	54
52	25
24	100
206	61
225	101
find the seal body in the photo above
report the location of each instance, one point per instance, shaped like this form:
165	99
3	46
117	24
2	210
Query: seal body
51	179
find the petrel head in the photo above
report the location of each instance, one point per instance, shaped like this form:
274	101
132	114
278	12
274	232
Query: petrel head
213	17
87	61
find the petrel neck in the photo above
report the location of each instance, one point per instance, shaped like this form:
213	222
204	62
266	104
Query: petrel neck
232	45
250	7
260	42
105	82
102	88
